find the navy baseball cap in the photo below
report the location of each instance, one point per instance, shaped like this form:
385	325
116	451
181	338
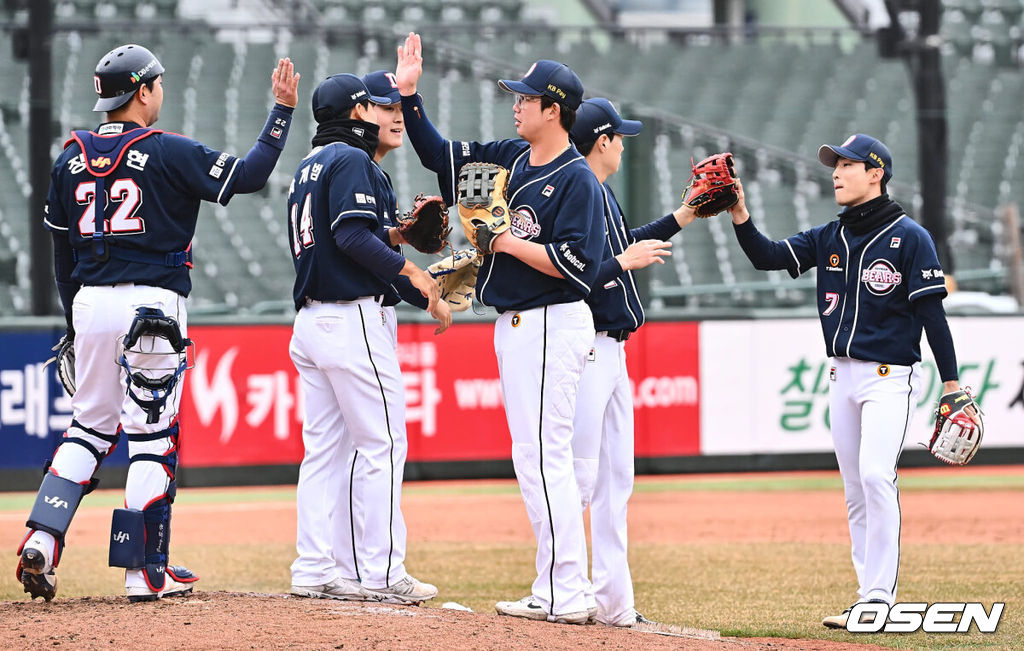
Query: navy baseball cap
596	116
382	84
859	147
337	94
551	78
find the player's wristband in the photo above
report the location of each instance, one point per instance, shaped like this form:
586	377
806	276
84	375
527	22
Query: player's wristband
275	131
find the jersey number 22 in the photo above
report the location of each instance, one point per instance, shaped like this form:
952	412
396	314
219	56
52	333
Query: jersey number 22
124	192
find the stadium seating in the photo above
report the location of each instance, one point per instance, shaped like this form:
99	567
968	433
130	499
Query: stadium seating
784	97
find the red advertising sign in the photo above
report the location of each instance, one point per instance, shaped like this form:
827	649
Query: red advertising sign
242	404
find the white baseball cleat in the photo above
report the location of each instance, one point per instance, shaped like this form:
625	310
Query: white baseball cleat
36	574
528	608
408	591
178	581
343	589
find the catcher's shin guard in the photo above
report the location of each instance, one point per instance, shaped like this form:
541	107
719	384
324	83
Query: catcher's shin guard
141	539
55	505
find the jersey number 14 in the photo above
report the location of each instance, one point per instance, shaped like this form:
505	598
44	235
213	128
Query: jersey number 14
302	227
124	192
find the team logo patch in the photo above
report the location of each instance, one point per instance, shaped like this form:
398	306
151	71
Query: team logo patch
881	277
525	225
883	370
894	243
548	189
833	263
100	162
516	320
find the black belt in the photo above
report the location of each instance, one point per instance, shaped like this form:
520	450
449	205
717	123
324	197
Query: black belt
617	335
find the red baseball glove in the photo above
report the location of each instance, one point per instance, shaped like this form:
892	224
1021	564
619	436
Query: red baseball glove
712	186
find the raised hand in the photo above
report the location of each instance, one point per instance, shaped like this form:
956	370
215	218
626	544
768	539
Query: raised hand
284	83
410	64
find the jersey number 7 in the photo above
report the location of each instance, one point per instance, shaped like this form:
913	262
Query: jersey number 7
124	192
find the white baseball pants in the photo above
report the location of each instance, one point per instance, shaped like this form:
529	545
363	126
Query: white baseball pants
871	406
541	353
603	450
355	424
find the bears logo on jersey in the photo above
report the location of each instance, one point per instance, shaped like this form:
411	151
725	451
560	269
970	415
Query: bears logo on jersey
525	224
881	277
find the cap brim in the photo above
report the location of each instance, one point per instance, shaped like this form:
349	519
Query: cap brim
629	127
510	86
111	103
828	155
377	99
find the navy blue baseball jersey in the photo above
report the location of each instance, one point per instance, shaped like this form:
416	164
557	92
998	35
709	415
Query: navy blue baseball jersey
151	198
557	205
615	301
337	182
866	284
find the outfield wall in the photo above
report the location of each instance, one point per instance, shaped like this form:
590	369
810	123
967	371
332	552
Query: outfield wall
712	395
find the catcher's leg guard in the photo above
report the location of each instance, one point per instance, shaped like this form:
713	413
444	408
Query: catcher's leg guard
55	505
140	538
154	356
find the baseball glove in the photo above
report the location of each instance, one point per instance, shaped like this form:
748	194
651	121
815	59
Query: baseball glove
64	356
483	208
456	278
425	227
958	428
712	186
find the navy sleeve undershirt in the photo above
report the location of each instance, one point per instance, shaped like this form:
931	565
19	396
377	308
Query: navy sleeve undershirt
609	270
63	266
357	241
929	310
660	229
409	294
763	253
255	168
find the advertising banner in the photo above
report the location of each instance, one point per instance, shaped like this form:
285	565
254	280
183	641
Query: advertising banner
243	404
765	384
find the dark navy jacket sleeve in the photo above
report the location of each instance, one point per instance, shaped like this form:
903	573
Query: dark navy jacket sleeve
352	190
254	170
577	246
922	264
610	269
795	254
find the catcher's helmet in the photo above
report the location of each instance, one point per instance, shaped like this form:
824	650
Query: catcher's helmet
121	72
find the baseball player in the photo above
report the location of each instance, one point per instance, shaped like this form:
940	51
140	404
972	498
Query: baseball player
537	280
603	429
122	208
341	210
878	282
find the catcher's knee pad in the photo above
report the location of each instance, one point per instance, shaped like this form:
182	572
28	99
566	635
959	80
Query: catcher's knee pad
99	445
55	505
140	540
154	356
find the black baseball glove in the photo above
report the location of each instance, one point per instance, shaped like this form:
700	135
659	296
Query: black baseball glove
425	227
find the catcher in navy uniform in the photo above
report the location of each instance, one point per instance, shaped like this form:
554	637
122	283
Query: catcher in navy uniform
122	208
878	283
